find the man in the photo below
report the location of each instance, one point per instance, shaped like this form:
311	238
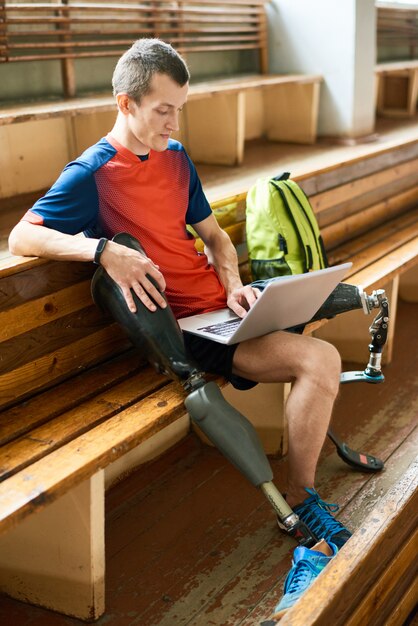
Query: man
140	181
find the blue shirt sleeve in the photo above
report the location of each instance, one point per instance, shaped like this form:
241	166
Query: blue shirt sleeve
72	204
199	207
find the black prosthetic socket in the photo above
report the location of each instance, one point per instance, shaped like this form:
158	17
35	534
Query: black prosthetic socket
156	334
160	339
344	298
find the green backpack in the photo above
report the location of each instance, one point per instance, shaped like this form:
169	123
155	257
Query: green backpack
282	232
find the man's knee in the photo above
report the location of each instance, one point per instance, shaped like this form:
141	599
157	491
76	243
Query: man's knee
323	366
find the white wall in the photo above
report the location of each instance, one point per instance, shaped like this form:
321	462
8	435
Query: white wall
335	39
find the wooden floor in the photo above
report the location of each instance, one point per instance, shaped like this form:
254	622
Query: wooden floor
190	542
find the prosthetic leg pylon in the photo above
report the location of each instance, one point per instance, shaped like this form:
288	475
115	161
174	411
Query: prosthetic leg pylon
344	298
160	339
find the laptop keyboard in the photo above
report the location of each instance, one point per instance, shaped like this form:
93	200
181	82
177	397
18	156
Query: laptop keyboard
224	329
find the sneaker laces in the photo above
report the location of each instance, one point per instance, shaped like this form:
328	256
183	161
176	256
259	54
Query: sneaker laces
319	518
300	577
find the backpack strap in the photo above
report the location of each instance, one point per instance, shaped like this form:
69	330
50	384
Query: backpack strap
303	201
302	243
282	176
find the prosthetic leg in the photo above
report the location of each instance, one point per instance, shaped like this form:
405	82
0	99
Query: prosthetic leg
348	298
159	338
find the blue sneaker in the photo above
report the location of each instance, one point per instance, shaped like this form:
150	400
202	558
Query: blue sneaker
317	516
307	564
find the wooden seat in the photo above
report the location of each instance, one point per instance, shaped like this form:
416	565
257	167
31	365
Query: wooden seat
397	88
280	107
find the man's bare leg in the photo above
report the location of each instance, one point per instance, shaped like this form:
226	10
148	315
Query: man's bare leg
313	366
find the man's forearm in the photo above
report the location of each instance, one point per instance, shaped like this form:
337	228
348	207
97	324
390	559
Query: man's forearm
130	269
32	240
224	259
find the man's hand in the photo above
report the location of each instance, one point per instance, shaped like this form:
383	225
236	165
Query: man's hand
241	299
129	269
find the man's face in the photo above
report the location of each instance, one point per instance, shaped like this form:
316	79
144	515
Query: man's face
157	116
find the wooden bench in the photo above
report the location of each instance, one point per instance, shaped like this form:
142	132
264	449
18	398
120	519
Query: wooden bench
397	29
397	80
80	408
282	108
69	32
397	88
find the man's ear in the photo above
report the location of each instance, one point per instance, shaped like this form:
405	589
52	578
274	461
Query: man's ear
124	103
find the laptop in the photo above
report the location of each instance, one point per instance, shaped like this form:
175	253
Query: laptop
286	301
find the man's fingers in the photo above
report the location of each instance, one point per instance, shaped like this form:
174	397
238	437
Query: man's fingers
251	295
153	292
129	299
239	310
157	276
248	296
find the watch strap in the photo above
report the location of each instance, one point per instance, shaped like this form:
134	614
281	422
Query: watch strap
99	250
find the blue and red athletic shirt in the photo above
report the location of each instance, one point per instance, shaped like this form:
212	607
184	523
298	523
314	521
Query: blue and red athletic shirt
108	190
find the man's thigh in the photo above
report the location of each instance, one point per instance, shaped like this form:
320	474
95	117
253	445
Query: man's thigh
278	357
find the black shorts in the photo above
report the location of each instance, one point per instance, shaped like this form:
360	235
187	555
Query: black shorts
216	358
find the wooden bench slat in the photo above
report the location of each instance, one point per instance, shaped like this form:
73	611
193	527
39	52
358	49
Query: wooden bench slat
57	432
32	489
387	267
117	53
19	419
388	585
386	193
51	337
121	17
196	22
398	230
322	201
349	227
365	256
133	5
321	180
391	66
10	266
245	82
34	314
24	279
53	367
198	37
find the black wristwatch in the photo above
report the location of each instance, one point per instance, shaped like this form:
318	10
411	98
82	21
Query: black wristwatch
99	250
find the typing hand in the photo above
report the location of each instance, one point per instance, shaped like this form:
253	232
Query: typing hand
240	300
129	269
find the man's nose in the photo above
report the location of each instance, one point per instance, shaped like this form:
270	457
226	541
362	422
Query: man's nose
173	121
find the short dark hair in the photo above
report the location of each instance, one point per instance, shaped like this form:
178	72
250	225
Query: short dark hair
146	57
